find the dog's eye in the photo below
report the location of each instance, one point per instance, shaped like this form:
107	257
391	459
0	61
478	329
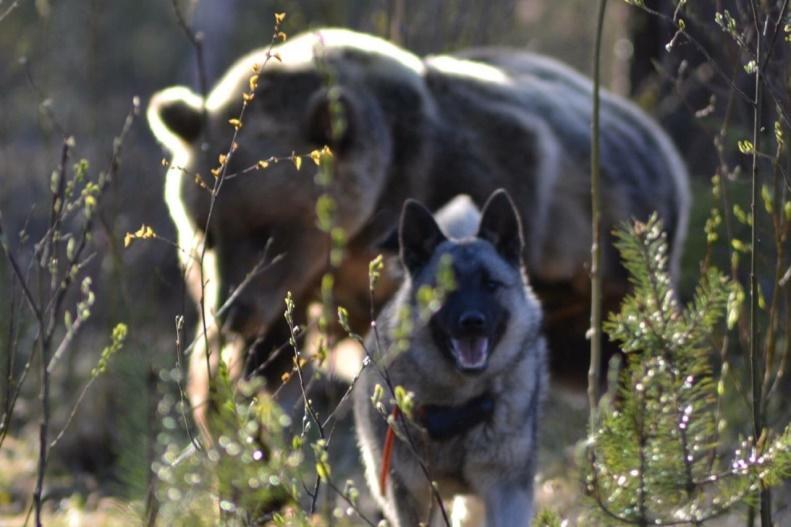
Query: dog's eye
491	284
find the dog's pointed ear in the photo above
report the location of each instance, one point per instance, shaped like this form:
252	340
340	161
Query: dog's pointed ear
175	114
418	235
330	119
501	226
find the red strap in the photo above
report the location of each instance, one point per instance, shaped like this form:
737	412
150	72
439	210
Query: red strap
387	451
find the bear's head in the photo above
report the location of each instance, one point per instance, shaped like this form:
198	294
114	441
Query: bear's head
354	93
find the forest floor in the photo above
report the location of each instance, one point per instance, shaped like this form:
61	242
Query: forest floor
80	500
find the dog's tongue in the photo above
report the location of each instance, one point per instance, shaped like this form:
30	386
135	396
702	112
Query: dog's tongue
470	352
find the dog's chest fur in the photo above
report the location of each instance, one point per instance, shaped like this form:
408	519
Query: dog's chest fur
503	439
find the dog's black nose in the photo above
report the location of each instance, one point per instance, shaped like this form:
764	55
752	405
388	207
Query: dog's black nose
472	321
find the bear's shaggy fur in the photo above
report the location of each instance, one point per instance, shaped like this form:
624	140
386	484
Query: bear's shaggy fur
428	129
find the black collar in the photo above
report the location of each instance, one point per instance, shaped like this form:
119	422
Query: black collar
444	422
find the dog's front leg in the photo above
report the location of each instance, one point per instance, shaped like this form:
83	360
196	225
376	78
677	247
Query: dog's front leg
467	511
406	508
509	505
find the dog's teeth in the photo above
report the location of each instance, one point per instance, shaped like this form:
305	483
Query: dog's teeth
470	352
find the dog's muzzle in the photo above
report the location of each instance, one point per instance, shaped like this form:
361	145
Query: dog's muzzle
470	344
471	353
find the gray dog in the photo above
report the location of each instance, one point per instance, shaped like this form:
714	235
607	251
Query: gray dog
475	364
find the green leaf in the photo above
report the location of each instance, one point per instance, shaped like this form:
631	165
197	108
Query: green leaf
746	146
734	305
779	134
768	199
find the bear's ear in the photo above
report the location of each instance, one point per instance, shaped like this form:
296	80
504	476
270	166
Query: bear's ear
388	243
501	226
174	114
418	236
330	119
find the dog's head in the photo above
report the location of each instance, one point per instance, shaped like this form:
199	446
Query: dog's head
482	323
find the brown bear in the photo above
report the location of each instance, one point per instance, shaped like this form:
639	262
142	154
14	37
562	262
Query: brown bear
424	128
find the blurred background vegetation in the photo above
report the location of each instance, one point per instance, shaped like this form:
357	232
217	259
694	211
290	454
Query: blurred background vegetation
72	69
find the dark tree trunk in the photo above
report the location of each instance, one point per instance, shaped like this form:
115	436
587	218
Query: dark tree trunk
676	85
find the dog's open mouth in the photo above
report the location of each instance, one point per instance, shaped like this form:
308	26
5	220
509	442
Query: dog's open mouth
471	353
